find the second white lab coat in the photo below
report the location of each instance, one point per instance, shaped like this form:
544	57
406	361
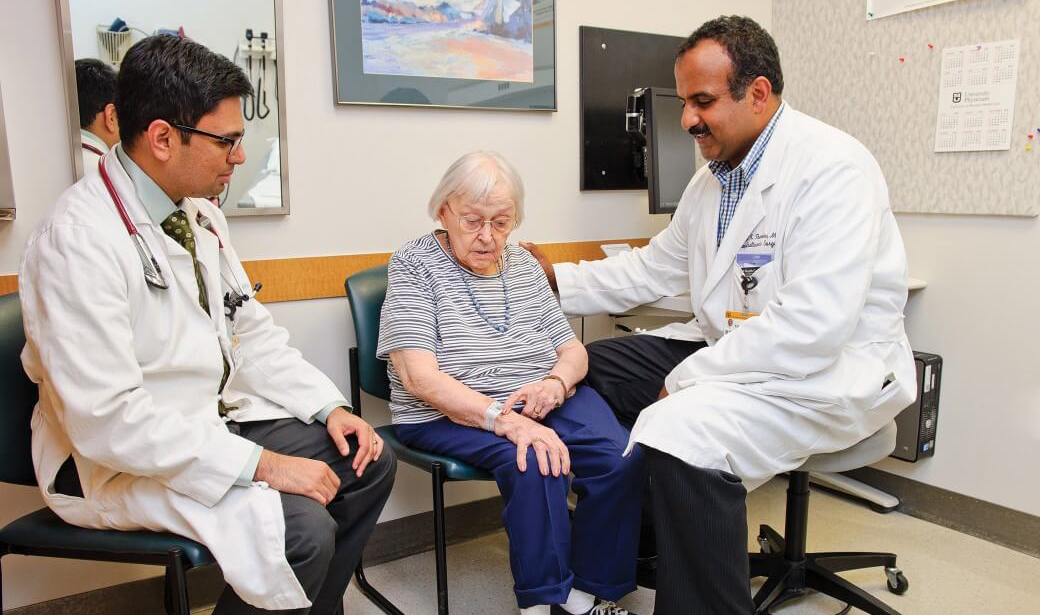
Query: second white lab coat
826	362
90	157
129	377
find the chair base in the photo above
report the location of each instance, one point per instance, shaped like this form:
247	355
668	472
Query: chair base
787	578
372	593
175	583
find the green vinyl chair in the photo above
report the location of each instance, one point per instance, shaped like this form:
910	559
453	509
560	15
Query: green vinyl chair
366	291
43	533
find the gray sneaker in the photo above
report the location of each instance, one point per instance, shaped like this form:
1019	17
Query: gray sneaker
604	607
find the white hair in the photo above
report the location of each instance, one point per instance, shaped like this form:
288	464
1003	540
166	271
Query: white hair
473	177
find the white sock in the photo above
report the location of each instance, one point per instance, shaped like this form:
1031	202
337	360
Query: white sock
578	602
539	609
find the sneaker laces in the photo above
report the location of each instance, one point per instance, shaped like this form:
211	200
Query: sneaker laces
608	608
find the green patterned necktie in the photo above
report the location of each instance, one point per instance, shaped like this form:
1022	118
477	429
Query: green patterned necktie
177	227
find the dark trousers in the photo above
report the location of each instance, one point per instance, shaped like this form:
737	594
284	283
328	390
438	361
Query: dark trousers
323	544
548	552
701	519
629	373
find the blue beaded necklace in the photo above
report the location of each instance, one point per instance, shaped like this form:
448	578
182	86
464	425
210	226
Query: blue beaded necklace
502	328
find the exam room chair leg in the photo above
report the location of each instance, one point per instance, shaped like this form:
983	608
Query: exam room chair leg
372	594
825	581
440	547
840	562
175	594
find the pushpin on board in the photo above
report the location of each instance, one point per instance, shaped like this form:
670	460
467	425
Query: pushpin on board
1030	135
931	47
902	60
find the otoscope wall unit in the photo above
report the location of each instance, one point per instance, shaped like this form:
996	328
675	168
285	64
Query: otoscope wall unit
256	46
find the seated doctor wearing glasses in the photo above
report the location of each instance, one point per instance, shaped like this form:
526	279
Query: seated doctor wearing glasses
484	367
169	400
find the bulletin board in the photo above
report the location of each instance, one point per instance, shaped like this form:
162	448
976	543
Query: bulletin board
879	81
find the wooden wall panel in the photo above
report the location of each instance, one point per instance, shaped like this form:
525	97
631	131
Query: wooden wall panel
320	277
8	284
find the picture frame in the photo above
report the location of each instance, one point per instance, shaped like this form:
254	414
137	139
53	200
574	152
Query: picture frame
473	54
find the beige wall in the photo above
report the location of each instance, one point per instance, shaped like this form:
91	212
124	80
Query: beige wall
358	178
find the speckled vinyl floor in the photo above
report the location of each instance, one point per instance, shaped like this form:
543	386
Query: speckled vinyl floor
950	573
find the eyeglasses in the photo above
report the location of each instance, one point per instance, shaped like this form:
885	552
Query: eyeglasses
233	142
472	223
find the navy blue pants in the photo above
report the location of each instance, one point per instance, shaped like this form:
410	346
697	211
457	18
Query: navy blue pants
548	552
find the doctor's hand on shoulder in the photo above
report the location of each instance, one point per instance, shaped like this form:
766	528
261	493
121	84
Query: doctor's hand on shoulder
543	260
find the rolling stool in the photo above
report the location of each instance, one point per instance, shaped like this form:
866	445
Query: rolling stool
790	571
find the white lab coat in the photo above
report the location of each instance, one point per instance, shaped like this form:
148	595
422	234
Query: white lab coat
805	376
90	157
129	375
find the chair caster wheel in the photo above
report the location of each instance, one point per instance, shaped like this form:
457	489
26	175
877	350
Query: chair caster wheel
897	583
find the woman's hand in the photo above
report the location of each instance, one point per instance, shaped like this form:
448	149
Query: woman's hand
550	451
539	398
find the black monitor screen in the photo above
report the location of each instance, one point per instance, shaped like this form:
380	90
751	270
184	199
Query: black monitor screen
671	151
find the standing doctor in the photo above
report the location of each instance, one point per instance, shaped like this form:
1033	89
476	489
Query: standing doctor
169	400
798	279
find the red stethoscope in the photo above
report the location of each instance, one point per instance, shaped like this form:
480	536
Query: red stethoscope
91	148
152	273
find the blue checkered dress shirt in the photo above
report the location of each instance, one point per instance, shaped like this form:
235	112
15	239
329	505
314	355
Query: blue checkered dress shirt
735	181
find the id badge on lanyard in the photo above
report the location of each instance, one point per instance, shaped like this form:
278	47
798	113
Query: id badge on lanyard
747	264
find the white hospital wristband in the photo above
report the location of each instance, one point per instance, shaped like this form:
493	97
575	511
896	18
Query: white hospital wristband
491	413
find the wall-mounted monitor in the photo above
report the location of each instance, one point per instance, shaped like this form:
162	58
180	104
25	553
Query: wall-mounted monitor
670	156
612	63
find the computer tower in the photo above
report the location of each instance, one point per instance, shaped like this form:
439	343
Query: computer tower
916	424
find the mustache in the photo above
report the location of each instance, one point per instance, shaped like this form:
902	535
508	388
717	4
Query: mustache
699	130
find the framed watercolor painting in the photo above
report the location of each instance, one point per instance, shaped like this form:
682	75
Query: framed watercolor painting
489	54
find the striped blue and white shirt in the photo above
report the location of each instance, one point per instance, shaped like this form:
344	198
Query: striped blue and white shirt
429	308
735	181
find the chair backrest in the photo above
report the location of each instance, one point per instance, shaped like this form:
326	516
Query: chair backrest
18	397
366	291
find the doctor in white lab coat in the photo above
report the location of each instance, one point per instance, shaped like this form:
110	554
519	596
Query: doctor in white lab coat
158	408
797	344
98	127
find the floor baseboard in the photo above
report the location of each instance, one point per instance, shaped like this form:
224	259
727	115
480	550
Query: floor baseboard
997	524
390	540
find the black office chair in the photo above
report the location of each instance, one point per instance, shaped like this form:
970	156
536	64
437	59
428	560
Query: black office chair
791	572
44	534
366	292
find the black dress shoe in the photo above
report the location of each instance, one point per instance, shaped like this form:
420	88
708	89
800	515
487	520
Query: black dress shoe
646	572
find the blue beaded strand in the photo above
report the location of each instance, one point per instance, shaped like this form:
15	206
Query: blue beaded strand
502	328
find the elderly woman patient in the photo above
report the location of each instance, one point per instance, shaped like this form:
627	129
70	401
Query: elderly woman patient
484	367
